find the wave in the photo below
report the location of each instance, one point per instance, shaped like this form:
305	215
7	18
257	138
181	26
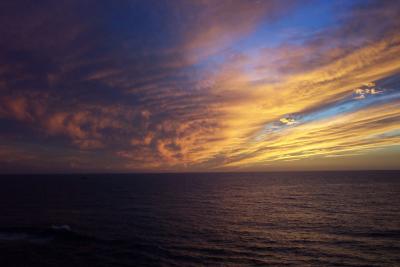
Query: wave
37	234
64	227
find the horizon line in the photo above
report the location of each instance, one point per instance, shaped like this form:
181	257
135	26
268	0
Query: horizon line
195	172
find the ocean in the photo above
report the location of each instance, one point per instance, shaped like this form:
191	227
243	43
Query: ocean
193	219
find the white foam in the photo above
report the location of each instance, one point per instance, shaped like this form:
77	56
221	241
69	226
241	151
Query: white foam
13	236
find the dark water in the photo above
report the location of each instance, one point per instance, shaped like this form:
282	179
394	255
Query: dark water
270	219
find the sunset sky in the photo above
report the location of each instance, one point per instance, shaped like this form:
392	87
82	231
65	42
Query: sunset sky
197	85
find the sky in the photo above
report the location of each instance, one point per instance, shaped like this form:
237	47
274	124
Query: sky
199	85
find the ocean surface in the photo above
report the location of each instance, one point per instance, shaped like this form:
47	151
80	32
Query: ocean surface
246	219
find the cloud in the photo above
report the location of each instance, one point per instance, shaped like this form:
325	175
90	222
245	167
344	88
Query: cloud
288	121
213	26
94	78
354	132
367	89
